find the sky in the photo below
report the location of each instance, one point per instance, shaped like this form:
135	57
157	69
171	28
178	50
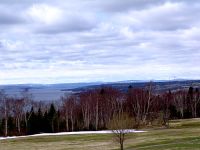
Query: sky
66	41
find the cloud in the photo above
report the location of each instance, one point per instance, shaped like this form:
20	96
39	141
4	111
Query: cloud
51	20
128	5
120	6
44	13
169	16
71	24
7	17
57	41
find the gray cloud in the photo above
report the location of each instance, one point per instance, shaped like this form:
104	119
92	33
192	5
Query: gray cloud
169	16
8	17
74	24
98	40
118	5
127	5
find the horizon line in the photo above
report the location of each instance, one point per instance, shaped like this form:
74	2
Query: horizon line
117	81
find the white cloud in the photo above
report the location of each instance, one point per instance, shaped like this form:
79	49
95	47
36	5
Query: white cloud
44	13
57	41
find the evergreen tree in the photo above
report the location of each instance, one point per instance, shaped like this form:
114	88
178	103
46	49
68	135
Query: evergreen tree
52	117
39	121
32	123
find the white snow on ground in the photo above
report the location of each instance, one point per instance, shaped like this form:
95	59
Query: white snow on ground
70	133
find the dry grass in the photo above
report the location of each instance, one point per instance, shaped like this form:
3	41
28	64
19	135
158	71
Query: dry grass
183	134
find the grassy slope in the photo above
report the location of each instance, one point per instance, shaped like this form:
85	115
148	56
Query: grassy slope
182	135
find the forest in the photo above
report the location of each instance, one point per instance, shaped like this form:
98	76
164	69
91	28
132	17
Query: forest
94	109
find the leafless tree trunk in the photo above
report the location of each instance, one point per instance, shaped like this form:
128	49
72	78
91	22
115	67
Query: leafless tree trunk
97	114
166	102
6	117
27	99
3	100
69	109
196	102
179	99
67	122
85	101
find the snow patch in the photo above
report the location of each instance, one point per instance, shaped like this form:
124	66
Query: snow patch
69	133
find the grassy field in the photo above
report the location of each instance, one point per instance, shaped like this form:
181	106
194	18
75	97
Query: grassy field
182	135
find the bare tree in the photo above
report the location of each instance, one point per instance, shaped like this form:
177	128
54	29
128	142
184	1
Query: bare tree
27	98
95	96
72	110
18	110
140	103
195	103
85	102
69	110
120	126
166	102
5	109
65	111
109	104
179	100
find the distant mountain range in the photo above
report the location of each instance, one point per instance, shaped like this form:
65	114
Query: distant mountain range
49	92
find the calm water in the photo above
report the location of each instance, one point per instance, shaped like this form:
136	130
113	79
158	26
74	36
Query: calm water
40	94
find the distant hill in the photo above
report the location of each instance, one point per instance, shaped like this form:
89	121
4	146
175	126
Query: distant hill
160	86
48	92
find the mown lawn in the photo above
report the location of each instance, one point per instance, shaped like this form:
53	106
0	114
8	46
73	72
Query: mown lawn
182	135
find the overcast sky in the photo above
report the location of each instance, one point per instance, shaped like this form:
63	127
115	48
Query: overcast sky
56	41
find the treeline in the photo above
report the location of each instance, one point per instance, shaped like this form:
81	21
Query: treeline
94	109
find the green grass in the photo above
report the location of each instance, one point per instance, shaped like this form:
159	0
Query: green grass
182	135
